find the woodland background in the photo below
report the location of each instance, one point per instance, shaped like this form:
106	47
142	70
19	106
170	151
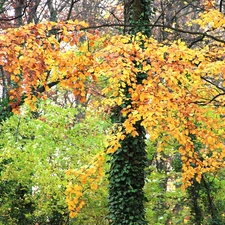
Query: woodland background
74	95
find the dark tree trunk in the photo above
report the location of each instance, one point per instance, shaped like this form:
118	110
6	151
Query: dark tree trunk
19	12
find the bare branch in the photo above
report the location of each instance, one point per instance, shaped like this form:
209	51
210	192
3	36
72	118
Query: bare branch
221	5
210	101
206	102
212	83
71	8
196	41
16	17
204	34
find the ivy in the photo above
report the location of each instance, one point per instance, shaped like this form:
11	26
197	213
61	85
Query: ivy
128	162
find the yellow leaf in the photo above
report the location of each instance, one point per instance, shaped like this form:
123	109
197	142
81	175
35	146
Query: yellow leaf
93	186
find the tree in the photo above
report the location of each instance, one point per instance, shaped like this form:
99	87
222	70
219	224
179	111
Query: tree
17	13
35	155
127	164
168	90
159	78
169	13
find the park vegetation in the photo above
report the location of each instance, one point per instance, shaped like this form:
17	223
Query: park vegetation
115	122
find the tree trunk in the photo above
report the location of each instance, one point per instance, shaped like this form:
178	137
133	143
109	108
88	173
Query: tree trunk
52	11
19	12
127	169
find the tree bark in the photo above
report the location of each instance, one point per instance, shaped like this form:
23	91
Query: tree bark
19	12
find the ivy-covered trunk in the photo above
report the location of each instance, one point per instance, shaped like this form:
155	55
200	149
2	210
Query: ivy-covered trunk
127	164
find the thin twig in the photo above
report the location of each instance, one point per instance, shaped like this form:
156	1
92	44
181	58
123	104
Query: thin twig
17	129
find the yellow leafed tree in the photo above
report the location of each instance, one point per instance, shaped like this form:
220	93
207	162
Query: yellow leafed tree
182	95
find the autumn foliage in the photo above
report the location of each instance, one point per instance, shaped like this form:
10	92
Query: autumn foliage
181	100
35	58
174	102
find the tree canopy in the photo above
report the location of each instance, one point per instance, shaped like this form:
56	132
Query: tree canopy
174	89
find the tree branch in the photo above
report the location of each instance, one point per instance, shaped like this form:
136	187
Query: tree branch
50	85
210	101
205	34
211	82
71	8
221	5
16	17
204	103
196	41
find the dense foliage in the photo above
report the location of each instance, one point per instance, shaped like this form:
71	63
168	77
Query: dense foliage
36	153
165	101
